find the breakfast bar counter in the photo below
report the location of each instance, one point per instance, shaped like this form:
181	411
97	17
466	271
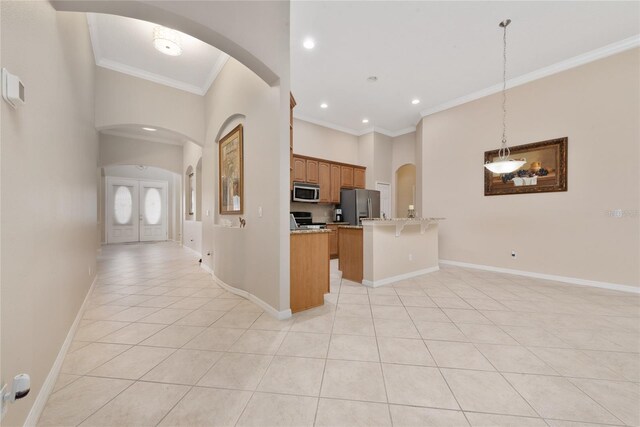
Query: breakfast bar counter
398	248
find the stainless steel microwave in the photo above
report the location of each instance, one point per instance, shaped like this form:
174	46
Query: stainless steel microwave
308	193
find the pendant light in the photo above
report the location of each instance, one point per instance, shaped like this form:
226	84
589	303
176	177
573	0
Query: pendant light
503	164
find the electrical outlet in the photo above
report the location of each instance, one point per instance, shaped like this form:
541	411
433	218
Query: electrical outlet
89	271
513	254
260	211
410	257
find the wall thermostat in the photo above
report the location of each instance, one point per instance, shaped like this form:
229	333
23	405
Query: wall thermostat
12	89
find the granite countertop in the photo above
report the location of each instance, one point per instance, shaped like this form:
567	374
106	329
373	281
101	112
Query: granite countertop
313	231
357	227
337	223
401	219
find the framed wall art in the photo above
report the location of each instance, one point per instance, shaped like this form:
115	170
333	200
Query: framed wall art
231	172
545	169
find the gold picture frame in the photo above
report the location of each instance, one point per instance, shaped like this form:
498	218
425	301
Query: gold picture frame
231	173
545	169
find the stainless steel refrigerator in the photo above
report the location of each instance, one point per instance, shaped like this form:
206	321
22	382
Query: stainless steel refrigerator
358	204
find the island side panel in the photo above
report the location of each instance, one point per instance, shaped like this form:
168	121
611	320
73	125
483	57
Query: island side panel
389	259
309	270
350	253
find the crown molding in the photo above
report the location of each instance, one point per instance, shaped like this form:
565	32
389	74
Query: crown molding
354	132
217	67
567	64
124	134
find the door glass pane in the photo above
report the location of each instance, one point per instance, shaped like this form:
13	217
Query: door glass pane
122	205
152	206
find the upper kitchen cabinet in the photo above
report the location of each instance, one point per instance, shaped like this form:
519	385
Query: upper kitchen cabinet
299	169
312	171
346	176
324	179
335	184
359	180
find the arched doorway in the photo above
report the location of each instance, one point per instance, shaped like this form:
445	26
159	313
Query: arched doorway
405	188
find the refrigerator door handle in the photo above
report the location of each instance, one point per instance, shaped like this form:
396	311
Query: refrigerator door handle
369	208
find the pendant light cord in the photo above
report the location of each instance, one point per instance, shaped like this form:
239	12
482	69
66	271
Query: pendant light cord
504	150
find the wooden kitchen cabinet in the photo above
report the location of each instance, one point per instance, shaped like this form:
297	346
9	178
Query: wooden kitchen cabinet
333	240
324	179
350	253
359	178
335	184
312	171
309	270
299	169
346	176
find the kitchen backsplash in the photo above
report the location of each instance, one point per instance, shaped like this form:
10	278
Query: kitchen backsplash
320	212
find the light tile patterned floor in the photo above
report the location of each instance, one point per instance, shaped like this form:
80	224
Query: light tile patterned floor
162	344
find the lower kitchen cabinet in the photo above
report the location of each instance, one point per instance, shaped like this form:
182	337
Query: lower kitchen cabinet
333	240
350	253
309	269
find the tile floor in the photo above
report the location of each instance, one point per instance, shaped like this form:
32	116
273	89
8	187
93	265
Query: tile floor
161	344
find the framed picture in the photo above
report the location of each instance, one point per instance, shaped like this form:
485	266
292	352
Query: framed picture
231	172
545	169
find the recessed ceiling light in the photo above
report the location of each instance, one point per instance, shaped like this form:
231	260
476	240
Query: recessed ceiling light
372	79
415	101
309	43
150	129
323	105
167	41
365	120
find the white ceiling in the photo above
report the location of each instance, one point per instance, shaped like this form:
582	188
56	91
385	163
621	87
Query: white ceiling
126	45
443	53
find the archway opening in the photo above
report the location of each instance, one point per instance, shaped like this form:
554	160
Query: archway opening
405	188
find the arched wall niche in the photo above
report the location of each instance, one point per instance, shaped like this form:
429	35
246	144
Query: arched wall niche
405	188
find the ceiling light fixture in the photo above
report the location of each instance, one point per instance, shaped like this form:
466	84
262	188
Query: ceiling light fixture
309	43
503	163
365	120
167	41
416	101
323	105
150	129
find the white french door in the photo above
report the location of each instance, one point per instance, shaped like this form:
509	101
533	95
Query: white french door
136	210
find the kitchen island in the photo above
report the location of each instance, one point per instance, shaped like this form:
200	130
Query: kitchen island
398	248
384	251
309	268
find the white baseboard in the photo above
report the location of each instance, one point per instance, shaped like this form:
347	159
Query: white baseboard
280	315
393	279
50	382
192	250
563	279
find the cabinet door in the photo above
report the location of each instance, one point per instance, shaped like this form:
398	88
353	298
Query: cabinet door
346	176
299	169
312	171
335	184
324	179
359	180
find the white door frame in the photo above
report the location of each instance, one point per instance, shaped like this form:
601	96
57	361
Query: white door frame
136	210
390	210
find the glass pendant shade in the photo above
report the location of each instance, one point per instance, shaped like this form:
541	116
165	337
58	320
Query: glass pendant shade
505	166
167	41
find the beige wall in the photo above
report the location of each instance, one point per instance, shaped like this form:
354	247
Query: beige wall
318	141
123	99
238	256
49	189
405	179
366	149
191	158
383	154
118	150
568	233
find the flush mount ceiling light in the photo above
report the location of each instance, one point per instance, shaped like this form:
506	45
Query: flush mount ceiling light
150	129
323	105
167	41
365	120
415	101
503	164
309	43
